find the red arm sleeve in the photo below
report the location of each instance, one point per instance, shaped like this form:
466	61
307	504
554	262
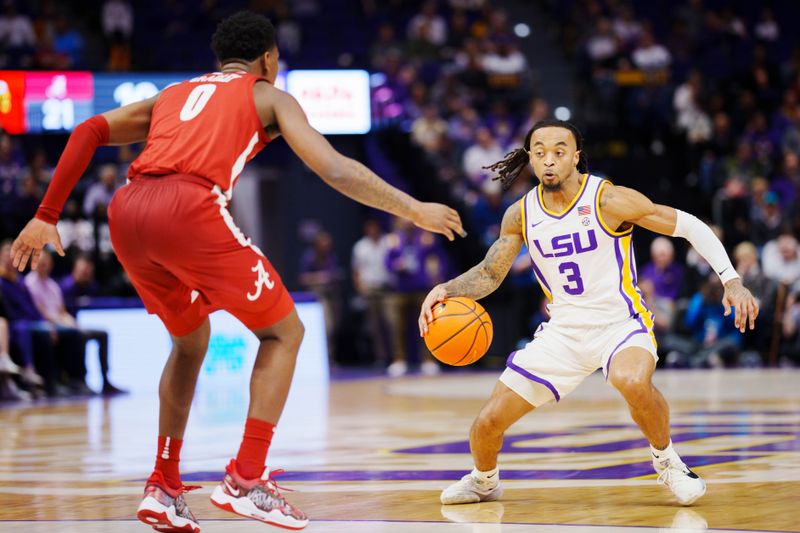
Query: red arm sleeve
82	144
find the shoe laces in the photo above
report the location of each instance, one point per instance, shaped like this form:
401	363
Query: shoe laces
665	476
271	484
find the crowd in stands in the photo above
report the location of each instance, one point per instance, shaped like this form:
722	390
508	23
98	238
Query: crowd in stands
712	86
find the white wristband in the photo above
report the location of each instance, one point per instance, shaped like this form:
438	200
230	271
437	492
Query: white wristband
706	243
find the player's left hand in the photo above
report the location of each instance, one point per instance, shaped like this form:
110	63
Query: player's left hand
439	218
742	301
33	237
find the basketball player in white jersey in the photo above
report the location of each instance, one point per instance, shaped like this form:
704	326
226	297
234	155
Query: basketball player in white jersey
577	228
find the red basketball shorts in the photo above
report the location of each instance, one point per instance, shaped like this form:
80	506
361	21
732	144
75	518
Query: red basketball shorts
186	258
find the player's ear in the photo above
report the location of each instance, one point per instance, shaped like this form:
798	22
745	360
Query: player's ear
576	158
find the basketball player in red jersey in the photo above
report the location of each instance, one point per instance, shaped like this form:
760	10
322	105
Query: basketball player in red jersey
173	234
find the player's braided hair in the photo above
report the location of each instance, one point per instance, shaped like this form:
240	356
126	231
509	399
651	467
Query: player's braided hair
517	160
244	35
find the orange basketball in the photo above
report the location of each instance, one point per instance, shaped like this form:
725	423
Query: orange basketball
460	332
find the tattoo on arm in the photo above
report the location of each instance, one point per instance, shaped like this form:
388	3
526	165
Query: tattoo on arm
484	278
363	185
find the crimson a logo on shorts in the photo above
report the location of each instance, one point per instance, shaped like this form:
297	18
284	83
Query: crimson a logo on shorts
260	282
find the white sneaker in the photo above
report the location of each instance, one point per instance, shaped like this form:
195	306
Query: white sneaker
7	366
397	369
429	368
470	490
684	484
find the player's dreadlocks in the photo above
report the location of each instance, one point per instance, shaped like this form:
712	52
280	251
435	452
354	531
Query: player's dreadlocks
516	160
244	36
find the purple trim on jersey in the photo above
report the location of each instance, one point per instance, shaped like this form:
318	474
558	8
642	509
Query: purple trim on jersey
597	211
574	203
642	329
620	264
540	276
525	218
519	370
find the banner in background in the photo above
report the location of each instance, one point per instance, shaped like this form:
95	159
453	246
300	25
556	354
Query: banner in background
336	101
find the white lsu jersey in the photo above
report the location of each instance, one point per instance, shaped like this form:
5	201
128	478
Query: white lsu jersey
586	269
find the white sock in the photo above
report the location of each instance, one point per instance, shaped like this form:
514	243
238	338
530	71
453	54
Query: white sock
661	455
488	478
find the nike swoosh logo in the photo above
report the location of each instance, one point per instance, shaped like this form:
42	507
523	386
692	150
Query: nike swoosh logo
234	492
534	225
490	477
723	271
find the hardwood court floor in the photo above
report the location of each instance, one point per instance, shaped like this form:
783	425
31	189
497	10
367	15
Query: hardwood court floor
373	455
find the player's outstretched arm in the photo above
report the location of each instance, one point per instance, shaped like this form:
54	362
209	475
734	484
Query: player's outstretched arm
125	125
348	176
620	205
484	278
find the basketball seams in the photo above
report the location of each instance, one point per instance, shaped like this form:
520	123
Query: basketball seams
457	332
471	346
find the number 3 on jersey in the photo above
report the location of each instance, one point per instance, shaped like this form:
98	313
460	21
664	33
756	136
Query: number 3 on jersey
574	276
196	101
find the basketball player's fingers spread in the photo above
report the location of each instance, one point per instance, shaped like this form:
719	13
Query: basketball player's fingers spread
35	258
26	254
753	313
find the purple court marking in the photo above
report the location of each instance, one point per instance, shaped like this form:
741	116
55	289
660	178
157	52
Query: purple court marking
510	364
510	442
622	471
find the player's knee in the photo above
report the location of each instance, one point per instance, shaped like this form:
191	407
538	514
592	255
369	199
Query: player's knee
488	424
631	385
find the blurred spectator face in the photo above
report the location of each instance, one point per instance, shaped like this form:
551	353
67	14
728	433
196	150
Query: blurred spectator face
429	9
484	137
386	33
29	188
604	27
372	229
745	256
791	163
45	266
743	152
323	243
722	123
662	252
83	271
759	188
5	256
5	146
646	40
787	246
553	155
108	176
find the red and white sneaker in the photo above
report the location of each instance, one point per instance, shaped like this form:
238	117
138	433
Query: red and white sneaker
165	509
258	498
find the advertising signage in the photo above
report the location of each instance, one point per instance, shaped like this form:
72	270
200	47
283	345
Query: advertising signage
336	101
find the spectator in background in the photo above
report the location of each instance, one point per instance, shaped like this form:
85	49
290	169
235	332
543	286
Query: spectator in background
781	258
602	47
718	340
384	46
767	29
415	263
690	116
663	271
8	388
370	279
745	257
504	64
626	27
790	330
765	213
488	212
428	25
68	42
80	285
16	36
35	338
99	194
427	129
649	55
49	300
117	19
486	151
320	274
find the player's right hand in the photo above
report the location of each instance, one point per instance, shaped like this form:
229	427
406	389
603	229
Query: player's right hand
439	218
437	294
33	237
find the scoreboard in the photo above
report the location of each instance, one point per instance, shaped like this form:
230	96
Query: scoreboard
336	101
